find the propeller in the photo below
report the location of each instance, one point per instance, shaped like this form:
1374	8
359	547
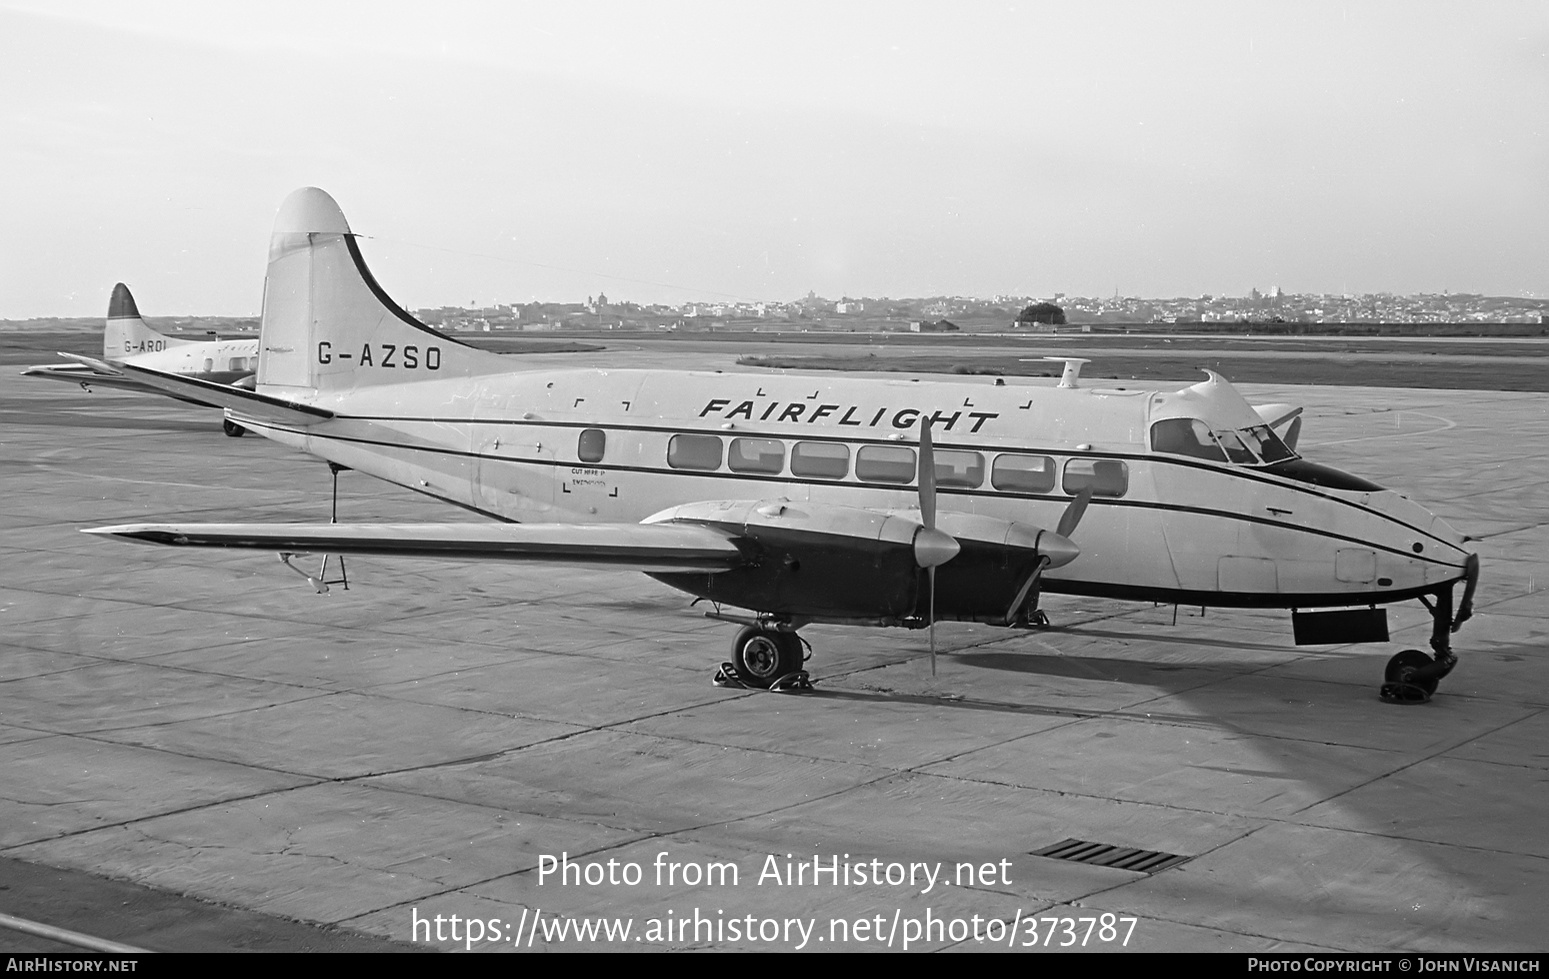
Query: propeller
1055	548
931	546
1074	513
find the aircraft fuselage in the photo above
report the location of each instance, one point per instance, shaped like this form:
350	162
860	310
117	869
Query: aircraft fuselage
594	445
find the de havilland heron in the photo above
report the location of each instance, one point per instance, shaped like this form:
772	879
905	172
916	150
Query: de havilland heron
784	499
126	338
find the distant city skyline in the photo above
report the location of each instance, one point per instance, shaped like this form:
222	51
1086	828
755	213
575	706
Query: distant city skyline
701	151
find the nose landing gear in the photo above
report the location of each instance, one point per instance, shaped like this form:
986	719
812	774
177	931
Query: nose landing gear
1411	676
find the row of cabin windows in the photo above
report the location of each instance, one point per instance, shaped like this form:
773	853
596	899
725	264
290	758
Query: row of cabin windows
1012	472
233	364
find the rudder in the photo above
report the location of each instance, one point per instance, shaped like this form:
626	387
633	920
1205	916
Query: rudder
124	334
328	325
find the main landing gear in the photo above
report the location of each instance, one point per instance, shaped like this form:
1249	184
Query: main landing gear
766	657
1411	676
233	429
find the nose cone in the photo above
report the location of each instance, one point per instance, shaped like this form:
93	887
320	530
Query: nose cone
1060	550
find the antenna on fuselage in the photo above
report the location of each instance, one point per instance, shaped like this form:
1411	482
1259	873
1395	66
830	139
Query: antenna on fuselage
1072	372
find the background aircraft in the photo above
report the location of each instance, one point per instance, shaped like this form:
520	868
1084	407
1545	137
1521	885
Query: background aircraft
127	339
804	498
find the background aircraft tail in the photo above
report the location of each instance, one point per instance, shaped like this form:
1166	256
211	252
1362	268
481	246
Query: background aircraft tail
126	334
328	326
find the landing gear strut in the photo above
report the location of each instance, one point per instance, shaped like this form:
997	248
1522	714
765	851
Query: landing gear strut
765	659
1411	676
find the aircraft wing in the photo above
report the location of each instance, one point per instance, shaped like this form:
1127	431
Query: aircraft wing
249	403
637	547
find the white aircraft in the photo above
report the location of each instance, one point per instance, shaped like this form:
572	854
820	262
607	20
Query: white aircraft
126	338
804	498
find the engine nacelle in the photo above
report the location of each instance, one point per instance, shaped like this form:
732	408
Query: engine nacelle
837	563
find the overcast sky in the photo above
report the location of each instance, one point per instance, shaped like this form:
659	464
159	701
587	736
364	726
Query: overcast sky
499	152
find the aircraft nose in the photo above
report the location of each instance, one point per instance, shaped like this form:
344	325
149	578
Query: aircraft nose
1059	549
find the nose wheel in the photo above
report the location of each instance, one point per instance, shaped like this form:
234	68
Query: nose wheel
1404	683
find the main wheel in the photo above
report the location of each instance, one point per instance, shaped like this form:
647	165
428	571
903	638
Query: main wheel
763	656
1402	685
233	429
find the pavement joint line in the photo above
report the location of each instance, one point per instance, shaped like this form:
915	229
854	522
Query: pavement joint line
177	668
132	824
1109	799
1400	837
1434	754
95	734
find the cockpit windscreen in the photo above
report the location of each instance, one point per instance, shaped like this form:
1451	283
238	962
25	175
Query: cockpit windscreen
1253	446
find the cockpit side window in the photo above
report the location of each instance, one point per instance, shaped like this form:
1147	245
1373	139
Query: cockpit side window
1186	436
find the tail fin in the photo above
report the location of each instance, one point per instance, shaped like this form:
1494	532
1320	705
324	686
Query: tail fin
328	326
126	334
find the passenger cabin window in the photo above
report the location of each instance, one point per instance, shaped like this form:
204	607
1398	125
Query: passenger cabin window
885	464
955	468
756	456
1106	477
694	452
1022	474
1186	437
593	442
825	460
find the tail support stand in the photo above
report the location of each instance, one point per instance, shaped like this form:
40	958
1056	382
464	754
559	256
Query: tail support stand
344	574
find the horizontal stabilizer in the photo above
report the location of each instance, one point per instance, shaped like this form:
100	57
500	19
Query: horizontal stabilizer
67	372
638	547
1276	415
89	376
247	403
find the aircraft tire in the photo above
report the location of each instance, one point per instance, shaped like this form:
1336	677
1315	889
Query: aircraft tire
763	656
1401	685
232	429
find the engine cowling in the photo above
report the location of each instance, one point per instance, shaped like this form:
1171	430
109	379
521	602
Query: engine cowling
836	563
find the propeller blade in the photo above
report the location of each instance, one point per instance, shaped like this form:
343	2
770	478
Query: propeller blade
931	546
1074	512
931	573
1027	587
927	475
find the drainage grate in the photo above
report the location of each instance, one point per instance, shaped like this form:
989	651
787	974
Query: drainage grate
1106	855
